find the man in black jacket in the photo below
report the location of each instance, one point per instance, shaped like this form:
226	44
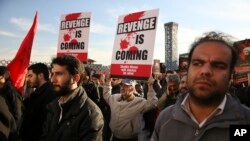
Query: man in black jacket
7	122
73	116
35	105
10	107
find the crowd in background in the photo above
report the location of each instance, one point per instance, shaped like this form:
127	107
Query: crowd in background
61	101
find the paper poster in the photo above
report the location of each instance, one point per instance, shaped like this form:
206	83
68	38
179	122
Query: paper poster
242	67
74	35
134	45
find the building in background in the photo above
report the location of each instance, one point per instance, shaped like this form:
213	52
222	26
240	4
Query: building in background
171	48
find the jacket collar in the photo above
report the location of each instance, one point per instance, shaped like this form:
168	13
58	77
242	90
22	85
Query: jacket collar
232	113
74	103
42	88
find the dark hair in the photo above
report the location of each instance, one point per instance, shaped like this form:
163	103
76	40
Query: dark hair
73	65
217	37
5	72
40	68
97	75
173	78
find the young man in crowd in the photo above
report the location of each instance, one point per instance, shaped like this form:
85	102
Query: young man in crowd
183	85
170	92
35	112
72	116
206	112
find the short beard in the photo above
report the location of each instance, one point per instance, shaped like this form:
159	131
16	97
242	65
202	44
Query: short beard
173	94
36	84
213	99
64	89
128	97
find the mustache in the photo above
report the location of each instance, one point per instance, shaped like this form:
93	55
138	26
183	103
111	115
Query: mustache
204	80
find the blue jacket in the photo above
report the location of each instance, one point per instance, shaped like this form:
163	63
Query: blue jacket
174	124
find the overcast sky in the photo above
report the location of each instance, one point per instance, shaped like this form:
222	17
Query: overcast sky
194	17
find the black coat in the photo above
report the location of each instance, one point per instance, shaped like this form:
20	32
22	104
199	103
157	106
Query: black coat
244	95
81	120
35	112
13	100
92	91
10	112
7	122
115	89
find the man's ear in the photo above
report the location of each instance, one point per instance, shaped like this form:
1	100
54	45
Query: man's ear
40	75
76	78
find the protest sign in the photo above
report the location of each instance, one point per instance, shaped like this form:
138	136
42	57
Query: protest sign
74	35
134	45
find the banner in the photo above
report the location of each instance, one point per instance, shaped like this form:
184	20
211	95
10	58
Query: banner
134	45
74	35
18	66
183	63
242	67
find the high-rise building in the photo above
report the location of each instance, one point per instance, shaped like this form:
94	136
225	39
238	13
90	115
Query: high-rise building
171	48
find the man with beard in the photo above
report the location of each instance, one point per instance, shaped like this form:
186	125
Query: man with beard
73	116
183	85
170	93
207	111
127	110
34	114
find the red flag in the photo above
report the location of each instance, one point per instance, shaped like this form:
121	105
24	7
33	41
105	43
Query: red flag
18	66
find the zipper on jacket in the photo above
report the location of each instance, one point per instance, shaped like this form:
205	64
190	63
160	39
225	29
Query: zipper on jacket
197	131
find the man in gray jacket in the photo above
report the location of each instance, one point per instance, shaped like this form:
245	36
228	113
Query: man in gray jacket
207	111
127	110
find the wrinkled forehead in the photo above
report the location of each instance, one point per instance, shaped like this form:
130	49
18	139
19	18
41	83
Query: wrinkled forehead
212	51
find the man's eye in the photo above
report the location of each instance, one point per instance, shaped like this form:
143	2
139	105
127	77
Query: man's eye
196	63
220	66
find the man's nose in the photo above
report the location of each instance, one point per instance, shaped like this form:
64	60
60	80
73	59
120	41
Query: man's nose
52	78
206	70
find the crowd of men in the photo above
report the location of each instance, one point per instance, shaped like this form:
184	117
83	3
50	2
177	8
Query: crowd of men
69	103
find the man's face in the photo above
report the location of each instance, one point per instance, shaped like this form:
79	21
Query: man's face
2	81
172	88
32	79
183	85
96	80
126	90
209	72
115	81
61	79
102	79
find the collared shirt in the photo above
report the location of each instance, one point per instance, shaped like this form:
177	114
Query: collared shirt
62	101
219	109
